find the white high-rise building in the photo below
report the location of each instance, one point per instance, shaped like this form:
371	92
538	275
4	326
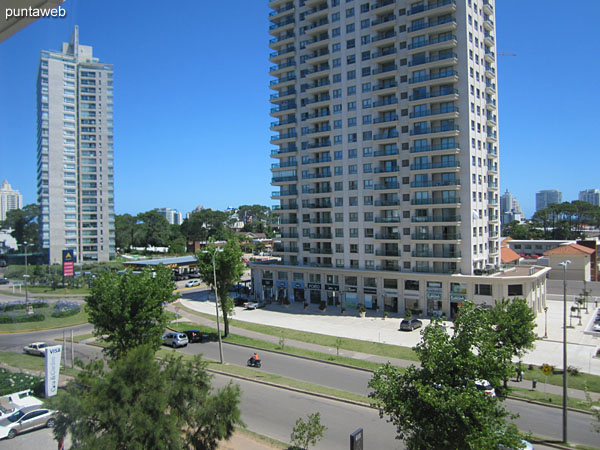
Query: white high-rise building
9	199
75	153
387	152
172	215
591	196
510	210
547	197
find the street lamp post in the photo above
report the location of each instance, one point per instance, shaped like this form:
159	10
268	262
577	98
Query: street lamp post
26	276
564	265
545	322
217	303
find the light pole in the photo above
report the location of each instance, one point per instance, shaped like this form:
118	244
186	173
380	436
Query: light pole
26	276
564	265
545	322
217	302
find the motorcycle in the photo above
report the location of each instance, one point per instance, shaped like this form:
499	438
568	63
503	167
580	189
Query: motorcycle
254	362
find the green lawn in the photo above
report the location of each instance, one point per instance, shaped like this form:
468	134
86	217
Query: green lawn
30	362
49	322
47	290
371	348
581	381
552	399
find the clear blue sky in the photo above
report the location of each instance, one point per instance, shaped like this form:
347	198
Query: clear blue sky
191	99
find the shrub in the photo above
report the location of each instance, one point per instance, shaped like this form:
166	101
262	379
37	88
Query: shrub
66	313
37	317
15	382
573	371
22	305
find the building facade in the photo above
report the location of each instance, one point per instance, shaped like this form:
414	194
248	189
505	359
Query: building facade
591	196
386	172
547	197
75	153
9	199
510	210
173	216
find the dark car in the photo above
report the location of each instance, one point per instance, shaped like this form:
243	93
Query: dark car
410	324
193	336
4	281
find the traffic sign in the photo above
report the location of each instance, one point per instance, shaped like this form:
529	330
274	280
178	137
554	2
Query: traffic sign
546	369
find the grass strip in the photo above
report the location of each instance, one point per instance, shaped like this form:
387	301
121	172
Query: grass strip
48	323
31	362
355	345
260	437
580	381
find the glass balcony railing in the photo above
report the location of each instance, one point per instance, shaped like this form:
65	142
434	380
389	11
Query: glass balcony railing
439	40
431	59
442	129
435	76
389	169
434	23
433	112
436	254
383	186
388	236
387	85
436	237
429	183
382	36
422	219
435	201
440	165
381	4
432	94
433	148
422	7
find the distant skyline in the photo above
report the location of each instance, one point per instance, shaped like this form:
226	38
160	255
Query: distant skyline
192	89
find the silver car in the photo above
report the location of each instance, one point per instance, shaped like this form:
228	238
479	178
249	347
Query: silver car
175	339
28	418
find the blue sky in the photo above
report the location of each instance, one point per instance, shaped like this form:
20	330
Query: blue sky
191	99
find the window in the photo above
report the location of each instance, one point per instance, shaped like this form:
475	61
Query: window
411	285
350	28
352	169
515	289
337	78
351	75
339	232
335	32
337	93
352	153
365	24
338	170
338	155
339	217
337	124
352	121
350	43
353	232
336	47
337	139
335	17
351	90
350	12
353	217
483	289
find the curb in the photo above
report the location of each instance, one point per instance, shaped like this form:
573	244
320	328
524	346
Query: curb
292	389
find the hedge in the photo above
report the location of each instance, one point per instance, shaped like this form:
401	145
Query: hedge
22	319
18	306
66	313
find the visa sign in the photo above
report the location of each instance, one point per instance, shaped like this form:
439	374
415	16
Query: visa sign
52	369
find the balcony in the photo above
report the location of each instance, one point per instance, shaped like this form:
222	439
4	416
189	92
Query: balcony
433	41
382	4
321	220
382	21
388	252
284	193
386	152
322	190
385	70
282	25
320	205
317	27
282	221
281	151
387	52
433	130
386	102
386	119
436	237
287	236
379	203
321	251
488	24
429	7
284	179
313	12
282	10
282	39
435	94
487	7
435	219
388	236
384	186
317	41
438	76
284	165
283	52
436	254
492	135
280	208
283	109
321	236
442	57
434	112
318	145
429	166
383	38
492	184
449	22
281	137
453	146
324	159
312	176
435	201
430	183
388	169
389	268
319	99
390	135
319	71
277	249
283	122
281	80
283	66
434	270
387	219
316	57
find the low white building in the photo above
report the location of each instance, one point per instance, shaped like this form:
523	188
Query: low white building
580	267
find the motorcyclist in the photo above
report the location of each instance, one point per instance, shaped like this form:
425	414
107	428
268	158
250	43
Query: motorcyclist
255	357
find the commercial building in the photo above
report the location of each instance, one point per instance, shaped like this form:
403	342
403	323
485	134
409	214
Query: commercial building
387	165
75	153
547	197
591	196
9	199
510	210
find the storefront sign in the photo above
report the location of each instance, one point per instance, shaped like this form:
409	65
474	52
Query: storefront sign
434	296
267	282
314	285
332	287
351	289
298	285
281	283
457	298
370	290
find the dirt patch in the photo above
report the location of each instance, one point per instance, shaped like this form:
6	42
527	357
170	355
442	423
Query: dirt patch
243	441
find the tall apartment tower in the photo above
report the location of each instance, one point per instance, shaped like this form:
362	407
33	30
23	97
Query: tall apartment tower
386	166
9	199
75	153
547	197
591	196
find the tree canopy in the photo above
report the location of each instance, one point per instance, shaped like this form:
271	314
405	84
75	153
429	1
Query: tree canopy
145	404
229	270
438	405
128	308
514	322
23	223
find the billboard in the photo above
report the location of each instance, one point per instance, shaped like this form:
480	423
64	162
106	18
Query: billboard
52	369
68	259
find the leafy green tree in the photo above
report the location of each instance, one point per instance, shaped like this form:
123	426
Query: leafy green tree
229	270
307	433
128	308
125	225
437	405
176	240
517	230
23	223
514	322
258	212
152	229
145	404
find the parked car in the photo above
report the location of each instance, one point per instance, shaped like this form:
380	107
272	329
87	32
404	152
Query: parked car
11	403
485	386
28	418
250	305
36	348
524	446
192	283
410	324
193	336
175	340
4	281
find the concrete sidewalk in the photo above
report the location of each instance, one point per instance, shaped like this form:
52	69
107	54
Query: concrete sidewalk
295	317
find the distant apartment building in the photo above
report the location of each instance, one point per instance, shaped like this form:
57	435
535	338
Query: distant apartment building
387	170
173	216
547	197
591	196
510	210
9	199
75	153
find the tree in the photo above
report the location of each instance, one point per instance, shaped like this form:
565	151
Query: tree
142	403
437	405
229	270
23	223
124	230
514	322
307	433
152	229
128	308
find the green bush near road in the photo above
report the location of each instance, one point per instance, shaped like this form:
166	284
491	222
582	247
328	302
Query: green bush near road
14	382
